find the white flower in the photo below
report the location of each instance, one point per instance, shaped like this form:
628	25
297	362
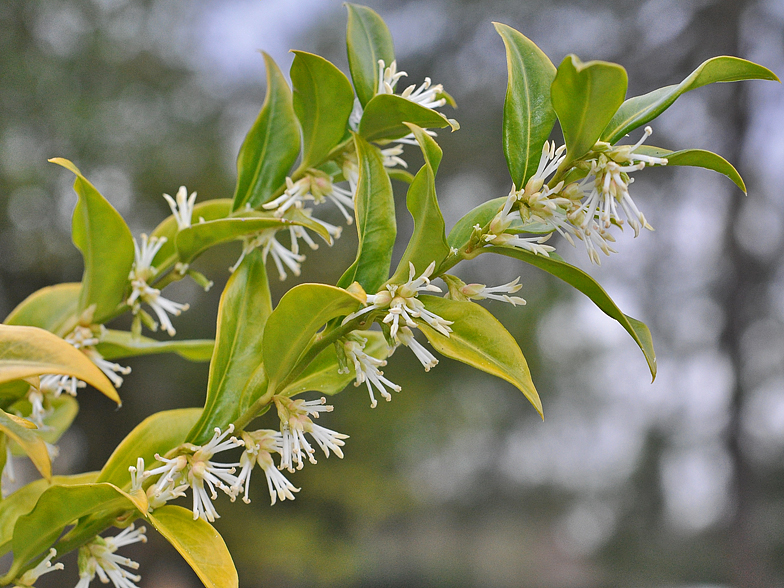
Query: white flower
259	446
315	186
182	207
280	255
402	302
424	95
110	368
481	292
99	557
427	359
141	273
57	384
607	187
194	470
366	369
295	421
30	576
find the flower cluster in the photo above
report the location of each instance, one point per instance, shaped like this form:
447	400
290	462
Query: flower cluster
99	557
142	272
585	209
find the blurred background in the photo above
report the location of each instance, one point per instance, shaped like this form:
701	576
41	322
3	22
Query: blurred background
456	482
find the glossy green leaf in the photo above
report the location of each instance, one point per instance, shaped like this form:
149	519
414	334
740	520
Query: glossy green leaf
208	210
322	374
157	433
58	507
639	110
23	500
49	308
585	97
696	158
244	308
374	209
199	544
528	113
28	439
106	244
300	314
428	240
386	114
30	351
578	279
118	344
479	340
323	101
196	239
271	146
367	39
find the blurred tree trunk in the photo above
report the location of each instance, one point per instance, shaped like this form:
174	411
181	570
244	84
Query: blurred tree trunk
741	293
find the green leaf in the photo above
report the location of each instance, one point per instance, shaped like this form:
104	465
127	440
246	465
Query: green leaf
428	241
27	438
49	308
301	312
639	110
119	344
585	97
58	507
578	279
374	209
30	351
400	175
323	101
479	340
386	114
244	308
196	239
528	113
322	374
199	544
367	39
271	146
208	210
157	433
106	244
695	158
23	500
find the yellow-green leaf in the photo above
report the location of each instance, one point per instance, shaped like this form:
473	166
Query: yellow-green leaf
23	500
301	312
386	115
157	433
479	340
56	508
322	374
30	351
118	344
49	308
24	433
199	544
